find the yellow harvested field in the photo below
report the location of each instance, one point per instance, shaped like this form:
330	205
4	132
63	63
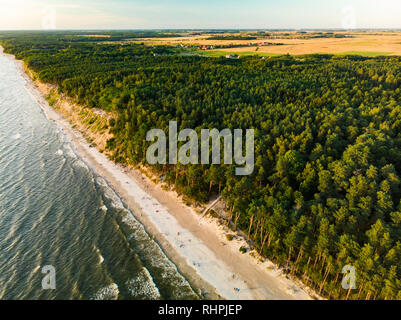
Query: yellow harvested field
388	43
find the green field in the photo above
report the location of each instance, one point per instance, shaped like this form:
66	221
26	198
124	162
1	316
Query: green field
241	54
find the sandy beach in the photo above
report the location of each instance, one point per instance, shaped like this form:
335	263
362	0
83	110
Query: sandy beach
197	244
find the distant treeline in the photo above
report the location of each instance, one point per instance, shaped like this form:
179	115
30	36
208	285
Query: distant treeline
231	38
85	36
326	188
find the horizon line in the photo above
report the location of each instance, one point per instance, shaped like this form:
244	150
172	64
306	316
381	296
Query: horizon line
209	29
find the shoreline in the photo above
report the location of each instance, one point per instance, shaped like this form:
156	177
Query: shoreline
196	244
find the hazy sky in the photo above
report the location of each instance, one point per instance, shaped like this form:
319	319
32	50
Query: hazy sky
155	14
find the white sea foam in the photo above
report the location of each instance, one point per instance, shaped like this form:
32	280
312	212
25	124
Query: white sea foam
70	152
101	258
143	286
109	292
130	221
36	269
110	194
81	164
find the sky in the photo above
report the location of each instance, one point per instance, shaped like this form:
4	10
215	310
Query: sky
201	14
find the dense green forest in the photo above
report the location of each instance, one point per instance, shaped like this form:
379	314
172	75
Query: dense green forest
326	188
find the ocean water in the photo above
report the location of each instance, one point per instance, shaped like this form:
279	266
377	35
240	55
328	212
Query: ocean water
55	211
